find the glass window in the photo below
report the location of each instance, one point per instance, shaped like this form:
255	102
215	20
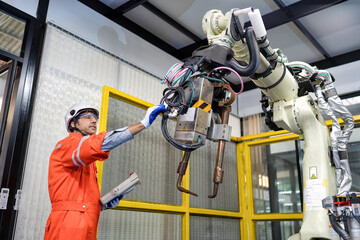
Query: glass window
121	224
11	33
276	230
148	154
354	156
211	228
275	178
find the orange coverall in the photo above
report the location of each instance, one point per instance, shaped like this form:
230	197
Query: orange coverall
73	187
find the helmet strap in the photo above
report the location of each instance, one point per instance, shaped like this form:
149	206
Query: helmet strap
77	129
81	132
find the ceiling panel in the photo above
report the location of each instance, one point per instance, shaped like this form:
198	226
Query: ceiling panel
158	27
289	2
336	28
189	13
114	3
293	43
327	33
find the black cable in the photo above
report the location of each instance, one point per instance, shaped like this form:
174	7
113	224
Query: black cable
174	97
338	229
254	56
356	217
181	146
177	99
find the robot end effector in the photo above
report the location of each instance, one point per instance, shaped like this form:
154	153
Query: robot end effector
217	65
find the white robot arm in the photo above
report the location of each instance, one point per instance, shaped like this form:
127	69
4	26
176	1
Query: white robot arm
286	86
202	89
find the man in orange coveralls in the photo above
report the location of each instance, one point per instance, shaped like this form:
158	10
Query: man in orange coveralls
72	180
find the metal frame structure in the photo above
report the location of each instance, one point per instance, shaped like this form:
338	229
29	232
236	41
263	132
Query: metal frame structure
252	216
245	144
16	131
246	213
184	209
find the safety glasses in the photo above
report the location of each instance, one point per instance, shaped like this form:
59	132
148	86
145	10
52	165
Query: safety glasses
88	116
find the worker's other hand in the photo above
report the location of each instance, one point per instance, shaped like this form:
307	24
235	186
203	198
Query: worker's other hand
113	203
152	113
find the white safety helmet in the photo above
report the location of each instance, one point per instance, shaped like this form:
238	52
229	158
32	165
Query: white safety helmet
75	109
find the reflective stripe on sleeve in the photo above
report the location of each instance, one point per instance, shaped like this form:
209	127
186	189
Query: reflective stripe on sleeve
78	149
74	159
78	152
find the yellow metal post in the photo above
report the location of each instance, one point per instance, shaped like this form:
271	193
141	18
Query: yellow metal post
102	127
249	191
185	225
242	191
249	185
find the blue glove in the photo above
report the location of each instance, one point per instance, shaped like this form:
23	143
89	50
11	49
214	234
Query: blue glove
113	203
152	113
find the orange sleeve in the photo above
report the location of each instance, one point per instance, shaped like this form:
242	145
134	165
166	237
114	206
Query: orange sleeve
83	151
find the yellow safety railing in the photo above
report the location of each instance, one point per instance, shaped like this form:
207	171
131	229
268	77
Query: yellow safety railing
252	217
245	144
184	209
246	213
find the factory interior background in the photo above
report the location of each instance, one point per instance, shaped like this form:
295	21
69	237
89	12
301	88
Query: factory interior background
113	55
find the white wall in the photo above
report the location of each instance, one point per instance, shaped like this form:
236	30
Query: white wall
95	28
27	6
249	103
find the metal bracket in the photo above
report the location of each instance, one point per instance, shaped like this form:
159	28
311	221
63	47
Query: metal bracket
219	132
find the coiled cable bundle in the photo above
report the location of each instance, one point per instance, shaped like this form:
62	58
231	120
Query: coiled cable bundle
177	78
177	74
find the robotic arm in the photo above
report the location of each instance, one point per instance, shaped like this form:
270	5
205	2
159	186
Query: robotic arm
208	79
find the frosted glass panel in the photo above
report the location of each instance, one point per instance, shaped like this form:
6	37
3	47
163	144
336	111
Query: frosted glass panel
354	156
72	71
210	228
119	224
148	154
202	162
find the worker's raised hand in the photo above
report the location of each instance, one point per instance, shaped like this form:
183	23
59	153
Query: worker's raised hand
152	113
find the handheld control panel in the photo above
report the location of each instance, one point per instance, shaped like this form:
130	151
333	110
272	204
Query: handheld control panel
123	188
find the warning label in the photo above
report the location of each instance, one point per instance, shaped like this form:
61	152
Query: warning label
313	173
202	105
314	193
